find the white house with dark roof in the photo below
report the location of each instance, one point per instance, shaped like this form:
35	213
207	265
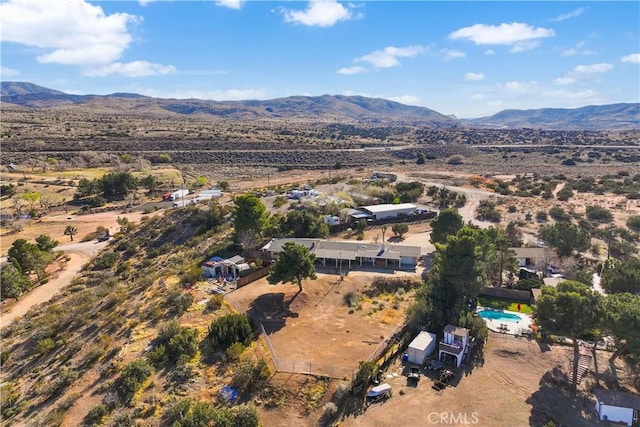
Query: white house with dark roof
617	406
341	254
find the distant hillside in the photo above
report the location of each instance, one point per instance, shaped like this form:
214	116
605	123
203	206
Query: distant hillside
317	108
25	88
592	117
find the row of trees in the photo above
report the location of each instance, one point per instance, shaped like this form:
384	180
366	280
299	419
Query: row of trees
573	310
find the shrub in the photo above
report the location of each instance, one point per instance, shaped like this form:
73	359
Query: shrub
599	214
105	261
235	351
633	222
400	229
228	330
456	159
133	376
249	377
215	302
246	416
44	346
96	415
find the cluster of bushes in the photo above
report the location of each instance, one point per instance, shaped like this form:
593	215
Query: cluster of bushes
391	285
185	412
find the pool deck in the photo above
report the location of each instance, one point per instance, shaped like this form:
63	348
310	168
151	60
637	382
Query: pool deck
505	326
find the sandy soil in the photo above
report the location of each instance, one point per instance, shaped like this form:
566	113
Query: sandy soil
314	328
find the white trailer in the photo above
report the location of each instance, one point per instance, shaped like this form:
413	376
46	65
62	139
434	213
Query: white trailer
421	347
211	193
178	194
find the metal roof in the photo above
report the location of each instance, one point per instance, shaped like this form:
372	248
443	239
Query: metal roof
387	207
621	399
347	250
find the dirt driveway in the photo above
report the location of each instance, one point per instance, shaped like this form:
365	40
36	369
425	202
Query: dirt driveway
79	255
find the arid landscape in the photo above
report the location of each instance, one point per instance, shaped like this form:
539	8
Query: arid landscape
68	343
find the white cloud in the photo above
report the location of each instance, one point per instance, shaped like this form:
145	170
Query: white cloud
6	72
468	77
231	4
319	13
578	49
130	69
574	13
452	54
352	70
565	80
388	57
582	71
564	94
145	2
214	95
67	32
593	68
518	87
521	36
489	52
478	96
633	58
405	99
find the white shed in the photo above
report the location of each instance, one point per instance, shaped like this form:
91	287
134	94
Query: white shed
421	347
385	211
617	406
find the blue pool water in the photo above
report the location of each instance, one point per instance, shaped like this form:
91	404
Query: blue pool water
499	315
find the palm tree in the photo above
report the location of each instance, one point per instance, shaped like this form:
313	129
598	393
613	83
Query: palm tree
70	231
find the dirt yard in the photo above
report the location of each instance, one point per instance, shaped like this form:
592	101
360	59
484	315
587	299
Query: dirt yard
315	328
515	386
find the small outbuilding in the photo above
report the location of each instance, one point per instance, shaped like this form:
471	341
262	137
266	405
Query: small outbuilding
617	406
421	347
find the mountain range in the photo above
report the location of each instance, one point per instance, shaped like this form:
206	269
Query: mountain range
327	108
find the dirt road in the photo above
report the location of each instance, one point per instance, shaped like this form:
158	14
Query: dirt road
80	254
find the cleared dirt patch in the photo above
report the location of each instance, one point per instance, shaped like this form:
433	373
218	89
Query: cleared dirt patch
316	327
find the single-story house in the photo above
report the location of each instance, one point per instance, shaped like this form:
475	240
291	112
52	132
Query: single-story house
617	406
351	254
388	210
454	343
532	257
229	268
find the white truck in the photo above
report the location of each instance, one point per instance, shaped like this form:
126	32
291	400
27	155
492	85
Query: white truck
178	194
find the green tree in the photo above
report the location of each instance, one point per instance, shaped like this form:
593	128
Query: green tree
70	231
361	225
12	282
150	183
622	276
46	243
223	185
24	255
447	222
513	234
622	321
565	238
117	184
295	263
246	416
300	223
31	198
249	214
571	309
86	188
400	229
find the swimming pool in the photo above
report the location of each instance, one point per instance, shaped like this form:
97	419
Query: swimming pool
499	315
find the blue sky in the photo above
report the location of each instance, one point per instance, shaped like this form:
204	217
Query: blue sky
470	59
